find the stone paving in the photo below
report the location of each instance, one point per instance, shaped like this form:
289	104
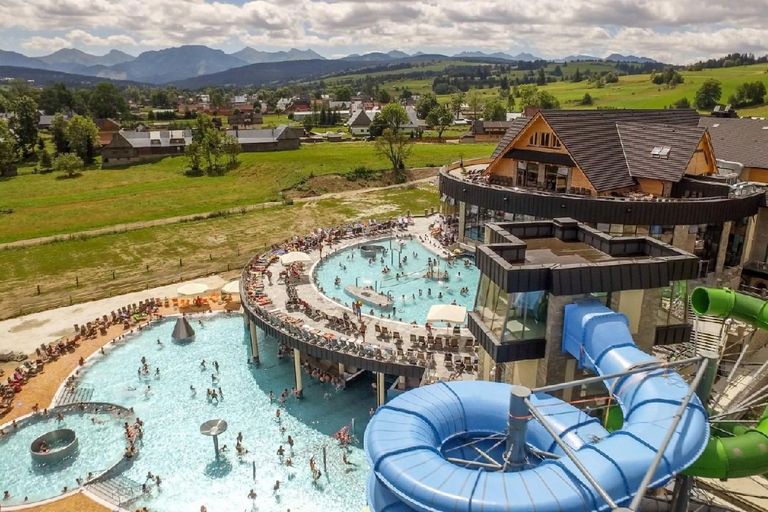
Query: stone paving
309	292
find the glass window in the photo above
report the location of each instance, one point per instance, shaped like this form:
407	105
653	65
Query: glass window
534	140
674	304
551	175
532	174
527	317
545	139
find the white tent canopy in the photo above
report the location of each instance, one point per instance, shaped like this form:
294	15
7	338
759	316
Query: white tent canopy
447	313
294	257
192	289
231	287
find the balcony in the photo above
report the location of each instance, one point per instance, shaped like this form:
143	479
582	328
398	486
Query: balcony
473	189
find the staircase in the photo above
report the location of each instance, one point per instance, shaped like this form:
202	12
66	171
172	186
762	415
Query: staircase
118	490
76	394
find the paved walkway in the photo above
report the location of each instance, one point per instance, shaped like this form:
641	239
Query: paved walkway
26	333
308	292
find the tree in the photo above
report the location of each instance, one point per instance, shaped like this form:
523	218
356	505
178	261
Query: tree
577	76
527	95
494	111
211	151
309	122
83	138
541	78
8	146
45	161
406	94
377	126
395	146
394	116
383	96
557	71
708	94
547	100
748	93
440	118
159	98
203	124
106	101
231	148
475	103
55	98
68	163
682	103
343	94
611	78
24	124
510	102
586	100
425	105
504	83
457	99
193	155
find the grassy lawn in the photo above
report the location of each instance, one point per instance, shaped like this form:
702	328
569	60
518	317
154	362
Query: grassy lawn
204	246
44	204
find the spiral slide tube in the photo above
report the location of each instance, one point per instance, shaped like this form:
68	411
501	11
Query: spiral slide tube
746	452
408	440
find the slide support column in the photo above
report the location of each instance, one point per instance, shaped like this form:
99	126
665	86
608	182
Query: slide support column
517	427
682	492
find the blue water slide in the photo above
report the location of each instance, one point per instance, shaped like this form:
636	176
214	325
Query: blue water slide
408	439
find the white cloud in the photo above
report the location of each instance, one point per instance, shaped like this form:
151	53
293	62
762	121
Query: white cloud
84	38
671	30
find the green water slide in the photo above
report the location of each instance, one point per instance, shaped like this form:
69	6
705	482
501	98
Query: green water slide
737	451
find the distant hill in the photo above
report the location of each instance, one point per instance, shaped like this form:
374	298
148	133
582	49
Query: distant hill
526	57
80	58
397	54
577	58
617	57
173	64
271	73
47	77
252	56
369	57
18	60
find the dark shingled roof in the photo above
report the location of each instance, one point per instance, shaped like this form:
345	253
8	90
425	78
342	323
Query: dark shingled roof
739	140
639	139
516	127
592	139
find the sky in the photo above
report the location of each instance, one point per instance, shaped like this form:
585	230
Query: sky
675	31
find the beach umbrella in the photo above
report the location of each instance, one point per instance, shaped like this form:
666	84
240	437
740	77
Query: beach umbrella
447	313
232	287
192	289
294	257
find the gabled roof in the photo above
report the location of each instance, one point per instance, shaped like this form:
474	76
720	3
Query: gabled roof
360	119
163	138
258	136
739	140
592	139
515	128
101	122
675	146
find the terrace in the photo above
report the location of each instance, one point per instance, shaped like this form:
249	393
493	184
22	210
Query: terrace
303	318
692	201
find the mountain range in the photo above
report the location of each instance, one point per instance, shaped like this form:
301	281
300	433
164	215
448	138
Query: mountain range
190	61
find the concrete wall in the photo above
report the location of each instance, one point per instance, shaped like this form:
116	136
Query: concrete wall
684	240
552	368
760	239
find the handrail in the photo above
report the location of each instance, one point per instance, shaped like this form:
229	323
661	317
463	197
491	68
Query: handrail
529	191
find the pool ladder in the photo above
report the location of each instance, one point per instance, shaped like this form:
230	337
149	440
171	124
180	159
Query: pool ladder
118	490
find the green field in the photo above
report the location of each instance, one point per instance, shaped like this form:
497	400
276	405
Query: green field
632	91
45	204
100	266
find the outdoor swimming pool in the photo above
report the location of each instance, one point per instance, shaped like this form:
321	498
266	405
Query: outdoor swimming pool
101	445
353	269
174	448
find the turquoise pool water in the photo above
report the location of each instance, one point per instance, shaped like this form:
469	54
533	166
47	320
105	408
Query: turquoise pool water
411	306
174	448
101	445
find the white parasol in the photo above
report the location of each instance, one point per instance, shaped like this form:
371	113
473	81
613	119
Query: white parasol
192	289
